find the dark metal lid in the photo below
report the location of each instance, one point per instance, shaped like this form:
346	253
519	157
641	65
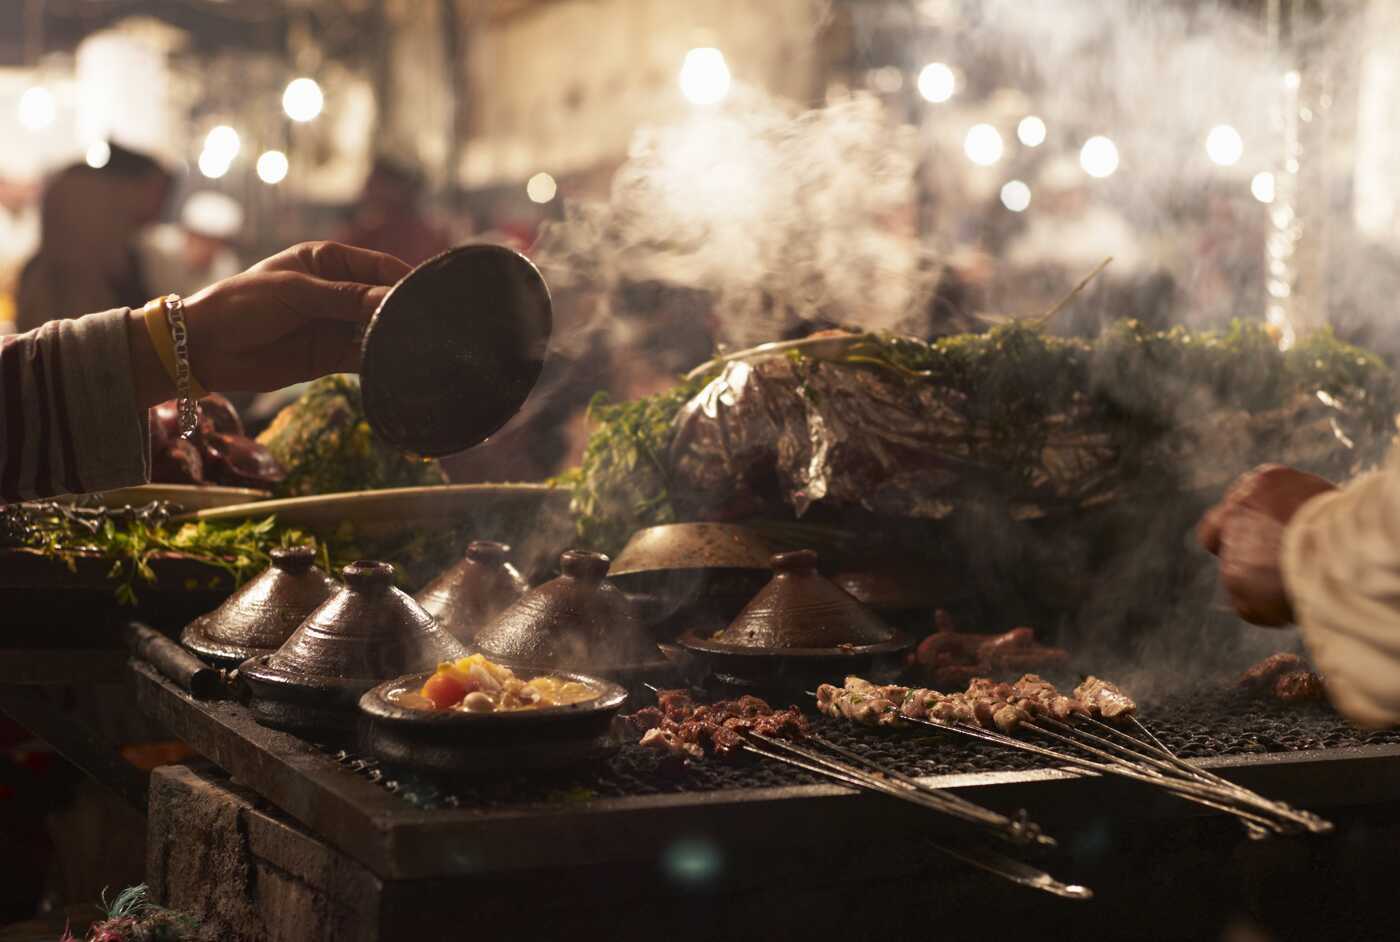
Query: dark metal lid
455	348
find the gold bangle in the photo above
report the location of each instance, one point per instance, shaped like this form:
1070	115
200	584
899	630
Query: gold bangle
158	326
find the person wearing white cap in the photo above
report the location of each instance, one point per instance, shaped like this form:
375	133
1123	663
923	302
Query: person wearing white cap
198	251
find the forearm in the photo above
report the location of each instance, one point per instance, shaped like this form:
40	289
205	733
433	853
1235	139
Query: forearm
1341	566
151	384
70	420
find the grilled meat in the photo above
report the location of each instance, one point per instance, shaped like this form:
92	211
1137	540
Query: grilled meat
1263	674
688	730
1103	700
951	658
1286	677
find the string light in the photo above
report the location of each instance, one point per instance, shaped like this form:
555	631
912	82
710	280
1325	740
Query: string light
1099	157
1224	145
541	188
303	100
1031	131
272	167
936	82
36	108
983	145
211	166
704	76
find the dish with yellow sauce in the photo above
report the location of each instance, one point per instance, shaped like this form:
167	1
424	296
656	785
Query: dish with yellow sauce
477	685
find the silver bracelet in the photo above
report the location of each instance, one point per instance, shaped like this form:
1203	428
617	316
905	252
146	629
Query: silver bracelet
184	402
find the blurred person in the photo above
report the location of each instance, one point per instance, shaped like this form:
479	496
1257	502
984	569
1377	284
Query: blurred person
76	392
1294	547
88	223
181	258
388	217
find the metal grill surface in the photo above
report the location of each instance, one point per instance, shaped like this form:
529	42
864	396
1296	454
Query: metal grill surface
1203	723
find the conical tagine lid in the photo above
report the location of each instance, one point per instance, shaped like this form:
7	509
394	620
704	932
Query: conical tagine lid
576	622
800	608
479	587
262	614
368	630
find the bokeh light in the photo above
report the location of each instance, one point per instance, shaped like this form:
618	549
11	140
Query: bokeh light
1224	145
272	167
541	188
98	153
983	145
1099	157
936	82
1016	196
1031	131
1262	186
303	99
704	77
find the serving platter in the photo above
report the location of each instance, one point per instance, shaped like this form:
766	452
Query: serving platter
190	497
397	508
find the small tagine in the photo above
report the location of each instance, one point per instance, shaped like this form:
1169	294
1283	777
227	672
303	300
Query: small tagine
481	585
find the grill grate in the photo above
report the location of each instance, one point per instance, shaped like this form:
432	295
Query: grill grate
1204	723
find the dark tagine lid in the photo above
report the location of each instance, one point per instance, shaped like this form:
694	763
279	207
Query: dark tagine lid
576	622
800	608
366	632
465	597
262	614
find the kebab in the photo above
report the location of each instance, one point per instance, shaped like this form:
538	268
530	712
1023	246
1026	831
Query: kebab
683	729
1287	677
995	711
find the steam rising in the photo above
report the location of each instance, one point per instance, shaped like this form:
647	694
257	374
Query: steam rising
776	215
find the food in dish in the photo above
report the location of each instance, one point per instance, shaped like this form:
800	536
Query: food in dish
985	703
477	685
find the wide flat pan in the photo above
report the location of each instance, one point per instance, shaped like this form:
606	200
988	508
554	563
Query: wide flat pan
792	670
398	508
459	743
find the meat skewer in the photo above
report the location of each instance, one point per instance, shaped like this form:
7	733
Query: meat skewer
993	711
684	728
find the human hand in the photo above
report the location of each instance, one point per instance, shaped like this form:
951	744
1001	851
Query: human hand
292	317
1246	531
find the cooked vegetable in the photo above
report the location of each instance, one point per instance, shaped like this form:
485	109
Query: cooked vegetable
477	685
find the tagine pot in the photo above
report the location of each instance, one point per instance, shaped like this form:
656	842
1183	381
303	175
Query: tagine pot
262	614
800	628
467	596
574	622
367	632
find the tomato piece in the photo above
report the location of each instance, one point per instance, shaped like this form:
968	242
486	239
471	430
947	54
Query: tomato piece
444	690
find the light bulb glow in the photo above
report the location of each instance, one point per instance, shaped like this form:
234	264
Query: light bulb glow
1262	186
212	165
1224	145
303	100
1016	196
704	76
222	144
272	167
983	145
541	188
36	108
1031	131
936	82
1099	157
98	153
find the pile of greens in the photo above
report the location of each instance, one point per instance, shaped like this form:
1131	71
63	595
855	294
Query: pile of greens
325	443
1011	384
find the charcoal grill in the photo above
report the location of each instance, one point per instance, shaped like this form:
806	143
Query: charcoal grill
404	824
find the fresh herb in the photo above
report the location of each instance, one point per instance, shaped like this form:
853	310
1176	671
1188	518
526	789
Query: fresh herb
325	443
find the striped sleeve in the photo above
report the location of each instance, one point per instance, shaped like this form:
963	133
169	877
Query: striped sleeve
68	416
